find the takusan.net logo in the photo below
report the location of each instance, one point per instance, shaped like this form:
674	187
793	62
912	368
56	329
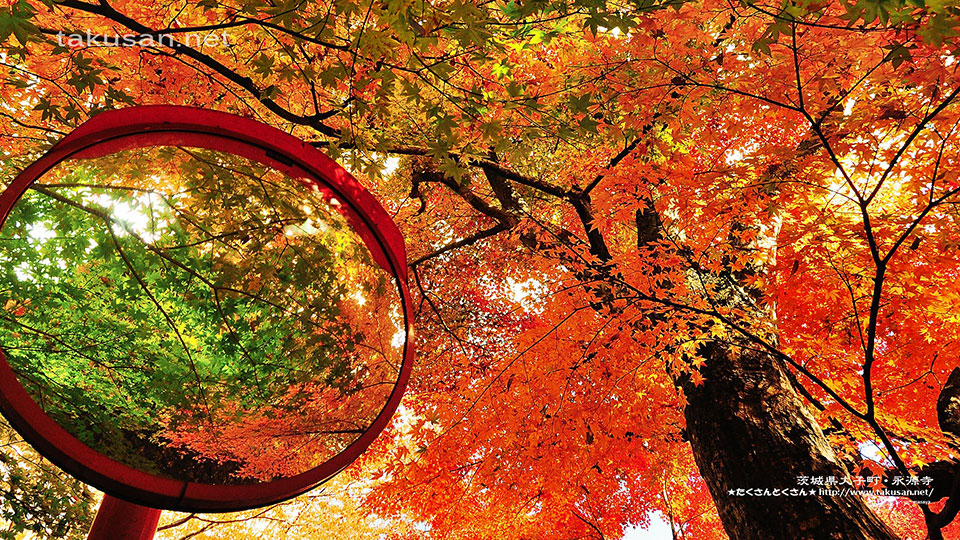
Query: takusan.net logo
90	39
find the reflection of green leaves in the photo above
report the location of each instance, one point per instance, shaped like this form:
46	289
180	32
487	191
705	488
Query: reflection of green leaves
150	311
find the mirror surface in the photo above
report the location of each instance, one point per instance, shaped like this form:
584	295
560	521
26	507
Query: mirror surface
196	315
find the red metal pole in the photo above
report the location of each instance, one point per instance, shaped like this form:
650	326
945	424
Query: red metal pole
120	520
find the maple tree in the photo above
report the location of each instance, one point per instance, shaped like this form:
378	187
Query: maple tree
653	242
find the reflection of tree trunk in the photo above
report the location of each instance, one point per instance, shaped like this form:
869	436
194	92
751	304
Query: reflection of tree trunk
180	463
749	429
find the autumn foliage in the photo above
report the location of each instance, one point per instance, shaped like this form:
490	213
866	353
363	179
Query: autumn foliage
592	194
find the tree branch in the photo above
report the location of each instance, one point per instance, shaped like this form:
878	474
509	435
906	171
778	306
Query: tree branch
314	121
613	163
469	240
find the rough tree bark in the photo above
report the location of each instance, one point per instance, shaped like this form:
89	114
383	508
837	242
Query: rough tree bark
749	429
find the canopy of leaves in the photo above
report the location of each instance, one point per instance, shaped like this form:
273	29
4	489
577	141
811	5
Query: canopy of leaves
37	498
589	190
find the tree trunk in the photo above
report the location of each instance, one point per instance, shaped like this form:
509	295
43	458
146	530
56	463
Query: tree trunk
749	429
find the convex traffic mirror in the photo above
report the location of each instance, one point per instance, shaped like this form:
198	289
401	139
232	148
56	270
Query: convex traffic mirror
197	311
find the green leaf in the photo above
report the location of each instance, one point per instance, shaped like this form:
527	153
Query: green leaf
588	124
579	104
512	10
270	92
897	54
15	20
500	69
263	64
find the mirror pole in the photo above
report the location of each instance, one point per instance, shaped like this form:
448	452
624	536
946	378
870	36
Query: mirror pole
120	520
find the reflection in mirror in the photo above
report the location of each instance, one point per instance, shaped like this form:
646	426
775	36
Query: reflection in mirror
196	315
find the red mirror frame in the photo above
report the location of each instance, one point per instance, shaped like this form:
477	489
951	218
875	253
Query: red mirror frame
164	125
